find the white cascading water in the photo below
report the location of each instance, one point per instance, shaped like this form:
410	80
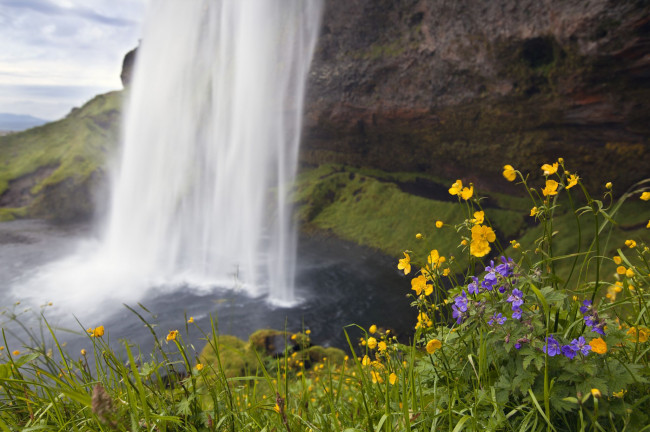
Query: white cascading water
211	144
209	152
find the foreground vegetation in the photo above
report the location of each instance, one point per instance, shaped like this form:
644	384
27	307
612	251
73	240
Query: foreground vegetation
548	332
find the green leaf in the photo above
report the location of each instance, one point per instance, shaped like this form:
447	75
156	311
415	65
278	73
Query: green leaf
5	370
26	358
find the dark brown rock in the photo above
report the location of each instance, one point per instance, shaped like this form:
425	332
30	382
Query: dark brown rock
461	88
127	67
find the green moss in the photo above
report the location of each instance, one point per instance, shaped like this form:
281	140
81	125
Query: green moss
369	208
7	214
235	356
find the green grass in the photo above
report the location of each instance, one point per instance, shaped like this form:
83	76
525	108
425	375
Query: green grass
73	149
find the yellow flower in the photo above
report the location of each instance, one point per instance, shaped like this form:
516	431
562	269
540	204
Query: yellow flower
423	321
617	260
645	196
172	335
467	193
456	188
629	273
619	394
482	235
479	248
392	379
365	361
598	345
630	243
509	172
307	332
648	225
534	212
418	236
446	272
621	270
434	259
479	217
433	345
608	185
464	242
405	264
573	180
376	377
549	169
276	408
83	352
550	188
16	352
439	224
372	343
191	320
199	366
381	346
419	284
643	334
596	393
98	332
373	329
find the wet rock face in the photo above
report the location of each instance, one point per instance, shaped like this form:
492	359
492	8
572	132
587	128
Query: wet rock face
127	67
461	88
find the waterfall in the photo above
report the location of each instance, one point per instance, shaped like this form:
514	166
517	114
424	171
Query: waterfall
210	145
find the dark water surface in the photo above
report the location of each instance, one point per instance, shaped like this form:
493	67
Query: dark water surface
339	283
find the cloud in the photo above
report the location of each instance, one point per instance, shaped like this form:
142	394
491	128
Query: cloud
48	8
63	45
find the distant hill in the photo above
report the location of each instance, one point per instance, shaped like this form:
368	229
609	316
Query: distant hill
52	171
19	122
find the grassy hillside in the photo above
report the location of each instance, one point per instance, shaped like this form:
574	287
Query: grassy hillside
49	171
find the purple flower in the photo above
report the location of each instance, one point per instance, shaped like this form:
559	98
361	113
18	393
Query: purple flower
516	299
552	347
580	345
498	318
502	289
595	324
568	352
506	266
489	281
586	305
490	268
457	313
516	313
461	302
473	286
517	345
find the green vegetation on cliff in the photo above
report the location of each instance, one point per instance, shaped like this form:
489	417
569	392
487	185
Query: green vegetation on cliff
50	171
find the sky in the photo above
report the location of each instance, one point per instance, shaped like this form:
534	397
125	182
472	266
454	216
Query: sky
58	54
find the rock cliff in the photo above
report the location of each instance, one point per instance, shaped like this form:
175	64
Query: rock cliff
459	88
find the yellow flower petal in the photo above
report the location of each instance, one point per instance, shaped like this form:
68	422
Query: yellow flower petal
549	169
456	188
550	188
645	196
509	172
405	264
433	345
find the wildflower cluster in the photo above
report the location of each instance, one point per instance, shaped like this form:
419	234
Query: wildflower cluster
541	318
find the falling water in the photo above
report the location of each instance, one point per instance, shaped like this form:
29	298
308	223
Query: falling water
211	142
